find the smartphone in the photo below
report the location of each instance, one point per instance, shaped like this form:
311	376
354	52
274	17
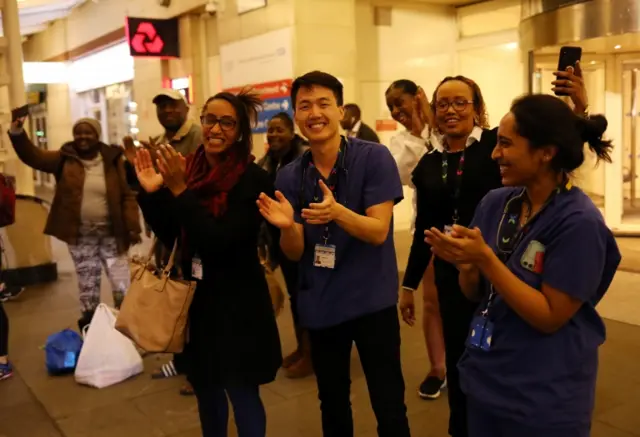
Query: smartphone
20	112
569	57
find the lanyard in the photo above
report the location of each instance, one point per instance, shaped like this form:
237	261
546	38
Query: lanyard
332	181
510	233
458	183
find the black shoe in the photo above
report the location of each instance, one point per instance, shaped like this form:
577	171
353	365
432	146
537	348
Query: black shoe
85	320
431	387
10	292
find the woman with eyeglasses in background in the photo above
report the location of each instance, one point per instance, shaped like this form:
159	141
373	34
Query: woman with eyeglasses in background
407	147
450	183
539	257
208	202
284	147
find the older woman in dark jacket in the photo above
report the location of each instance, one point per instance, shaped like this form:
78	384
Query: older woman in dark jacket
208	203
284	147
93	209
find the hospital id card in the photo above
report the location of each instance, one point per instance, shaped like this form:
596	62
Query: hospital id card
481	333
196	268
325	256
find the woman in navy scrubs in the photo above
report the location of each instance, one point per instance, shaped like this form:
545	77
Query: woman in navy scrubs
539	257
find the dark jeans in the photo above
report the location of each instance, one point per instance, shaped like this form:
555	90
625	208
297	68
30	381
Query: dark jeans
483	423
250	417
456	312
377	337
4	332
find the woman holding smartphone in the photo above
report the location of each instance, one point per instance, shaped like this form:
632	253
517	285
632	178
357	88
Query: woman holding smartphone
450	183
538	257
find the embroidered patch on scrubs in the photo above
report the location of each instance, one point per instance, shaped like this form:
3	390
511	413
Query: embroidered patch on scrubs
325	256
533	257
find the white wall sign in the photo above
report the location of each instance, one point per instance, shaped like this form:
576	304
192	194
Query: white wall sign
263	58
45	72
250	5
106	67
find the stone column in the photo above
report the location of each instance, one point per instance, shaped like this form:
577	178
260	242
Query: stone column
17	95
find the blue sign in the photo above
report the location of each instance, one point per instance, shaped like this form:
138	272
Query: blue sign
271	107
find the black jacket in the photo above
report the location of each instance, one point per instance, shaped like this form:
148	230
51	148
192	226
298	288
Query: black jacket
233	336
367	134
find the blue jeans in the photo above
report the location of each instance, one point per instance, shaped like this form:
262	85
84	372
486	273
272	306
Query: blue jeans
482	423
250	417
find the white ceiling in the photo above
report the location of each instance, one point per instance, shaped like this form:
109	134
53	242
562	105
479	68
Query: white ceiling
35	14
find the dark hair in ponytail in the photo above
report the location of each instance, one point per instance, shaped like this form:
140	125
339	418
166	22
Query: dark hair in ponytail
247	104
406	85
591	131
545	120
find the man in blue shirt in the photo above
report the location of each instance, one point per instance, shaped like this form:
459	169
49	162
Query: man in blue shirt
335	210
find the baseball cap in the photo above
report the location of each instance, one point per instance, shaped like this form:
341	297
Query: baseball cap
171	94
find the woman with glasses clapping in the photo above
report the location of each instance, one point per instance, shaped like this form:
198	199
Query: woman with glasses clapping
208	202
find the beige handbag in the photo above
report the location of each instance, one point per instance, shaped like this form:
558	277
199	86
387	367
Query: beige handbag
155	311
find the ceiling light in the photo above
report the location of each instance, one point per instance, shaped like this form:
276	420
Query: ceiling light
592	62
511	45
618	46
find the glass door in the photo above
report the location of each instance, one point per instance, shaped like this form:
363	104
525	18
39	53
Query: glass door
631	141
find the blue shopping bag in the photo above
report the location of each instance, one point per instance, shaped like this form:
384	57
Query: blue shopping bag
62	351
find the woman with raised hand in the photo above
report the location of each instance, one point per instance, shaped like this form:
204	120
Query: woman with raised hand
207	202
94	211
408	106
538	257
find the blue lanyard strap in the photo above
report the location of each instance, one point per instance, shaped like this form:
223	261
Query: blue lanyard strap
510	233
332	181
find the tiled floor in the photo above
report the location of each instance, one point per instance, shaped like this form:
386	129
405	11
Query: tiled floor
35	405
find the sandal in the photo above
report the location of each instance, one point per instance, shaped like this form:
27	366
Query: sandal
166	371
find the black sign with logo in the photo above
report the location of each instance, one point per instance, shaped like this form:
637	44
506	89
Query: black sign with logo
150	37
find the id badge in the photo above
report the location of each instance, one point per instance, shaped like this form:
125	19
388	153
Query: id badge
196	268
481	333
448	229
325	256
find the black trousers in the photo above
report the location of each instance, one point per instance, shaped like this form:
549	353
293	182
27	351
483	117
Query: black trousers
456	312
4	332
290	273
377	337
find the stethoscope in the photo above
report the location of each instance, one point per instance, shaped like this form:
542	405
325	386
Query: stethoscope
340	168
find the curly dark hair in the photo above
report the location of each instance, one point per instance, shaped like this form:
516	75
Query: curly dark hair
247	104
479	105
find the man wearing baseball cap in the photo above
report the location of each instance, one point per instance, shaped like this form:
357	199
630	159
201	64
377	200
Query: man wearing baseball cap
184	136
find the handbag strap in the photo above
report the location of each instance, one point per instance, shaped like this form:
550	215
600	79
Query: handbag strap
167	269
172	258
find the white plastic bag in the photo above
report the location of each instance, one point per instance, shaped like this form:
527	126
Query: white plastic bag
107	356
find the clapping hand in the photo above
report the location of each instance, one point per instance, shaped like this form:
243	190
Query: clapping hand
172	166
571	83
278	212
421	113
463	246
129	149
150	180
323	212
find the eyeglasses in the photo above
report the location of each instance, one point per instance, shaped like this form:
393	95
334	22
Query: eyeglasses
458	105
226	123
